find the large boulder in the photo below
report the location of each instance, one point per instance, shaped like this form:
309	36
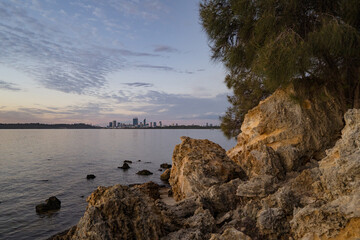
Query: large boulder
198	165
120	212
286	130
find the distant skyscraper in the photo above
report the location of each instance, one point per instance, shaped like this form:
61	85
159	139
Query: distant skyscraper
144	122
151	124
114	124
135	121
154	124
160	123
110	124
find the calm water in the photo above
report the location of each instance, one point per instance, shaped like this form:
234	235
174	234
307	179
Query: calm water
37	164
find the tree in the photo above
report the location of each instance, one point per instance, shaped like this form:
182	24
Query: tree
267	44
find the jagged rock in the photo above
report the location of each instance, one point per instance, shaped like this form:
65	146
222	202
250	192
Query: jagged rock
90	176
296	131
221	198
120	212
165	165
149	188
125	166
165	175
199	226
230	234
128	161
271	222
338	211
260	186
53	203
144	172
199	164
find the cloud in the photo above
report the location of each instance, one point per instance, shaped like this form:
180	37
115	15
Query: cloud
164	48
160	67
9	86
139	84
56	59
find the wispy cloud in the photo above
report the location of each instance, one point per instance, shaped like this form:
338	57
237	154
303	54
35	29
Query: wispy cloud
164	48
9	86
139	84
54	58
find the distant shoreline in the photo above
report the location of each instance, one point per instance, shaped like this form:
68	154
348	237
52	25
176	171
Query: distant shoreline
87	126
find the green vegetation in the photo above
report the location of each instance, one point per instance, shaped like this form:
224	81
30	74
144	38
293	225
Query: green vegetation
267	44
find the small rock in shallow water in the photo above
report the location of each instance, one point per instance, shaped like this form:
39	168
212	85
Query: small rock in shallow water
144	172
166	175
165	165
160	169
51	204
127	161
125	166
139	160
90	176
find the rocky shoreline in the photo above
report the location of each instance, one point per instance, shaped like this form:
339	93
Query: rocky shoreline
292	175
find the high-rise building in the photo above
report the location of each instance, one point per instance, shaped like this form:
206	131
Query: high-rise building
160	123
110	124
135	121
144	122
114	124
154	124
151	124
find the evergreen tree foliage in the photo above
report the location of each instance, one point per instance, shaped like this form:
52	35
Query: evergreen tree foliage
267	44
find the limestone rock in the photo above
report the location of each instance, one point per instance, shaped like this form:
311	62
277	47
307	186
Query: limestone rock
199	164
339	211
260	186
165	175
119	212
230	234
296	131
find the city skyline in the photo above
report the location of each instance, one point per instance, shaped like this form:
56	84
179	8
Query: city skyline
76	61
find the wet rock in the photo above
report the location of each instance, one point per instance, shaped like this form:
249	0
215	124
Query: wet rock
199	164
128	161
144	172
125	166
160	169
165	165
90	176
165	175
53	203
139	160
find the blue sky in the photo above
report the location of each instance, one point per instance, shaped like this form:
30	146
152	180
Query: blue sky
95	61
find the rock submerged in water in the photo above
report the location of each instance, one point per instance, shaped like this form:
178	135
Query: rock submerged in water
125	166
127	161
144	172
165	165
90	176
53	203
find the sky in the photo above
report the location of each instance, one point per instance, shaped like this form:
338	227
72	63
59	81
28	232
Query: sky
91	61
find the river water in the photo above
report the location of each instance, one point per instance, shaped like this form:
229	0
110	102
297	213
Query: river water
36	164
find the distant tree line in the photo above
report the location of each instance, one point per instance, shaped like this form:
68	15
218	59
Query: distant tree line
45	126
